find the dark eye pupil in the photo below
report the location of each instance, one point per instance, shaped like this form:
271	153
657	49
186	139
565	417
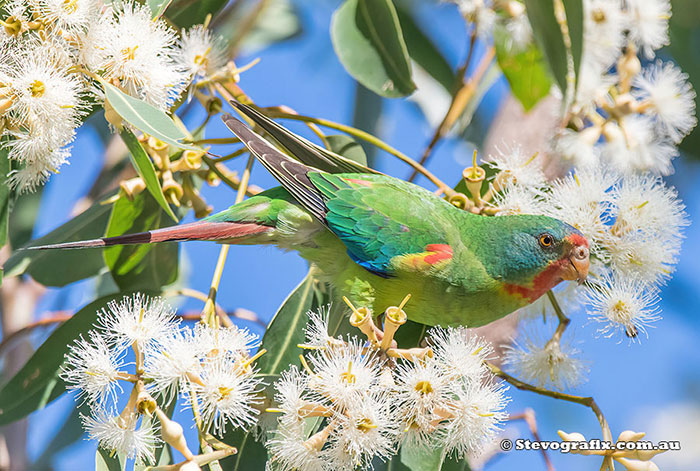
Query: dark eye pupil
546	240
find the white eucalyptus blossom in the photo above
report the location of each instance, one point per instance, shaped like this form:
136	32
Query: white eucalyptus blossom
172	364
517	166
345	374
92	369
200	54
289	451
544	362
460	353
422	388
214	341
127	46
519	199
227	393
69	17
665	90
623	305
604	27
477	413
579	147
123	435
367	430
139	320
636	147
317	329
649	24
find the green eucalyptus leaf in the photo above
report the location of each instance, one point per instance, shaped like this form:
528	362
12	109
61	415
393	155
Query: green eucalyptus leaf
106	461
424	51
251	455
5	195
548	35
286	329
186	13
574	20
37	382
142	266
62	267
144	166
525	69
145	117
158	7
367	38
344	145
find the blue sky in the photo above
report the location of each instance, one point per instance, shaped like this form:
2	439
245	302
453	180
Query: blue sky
629	382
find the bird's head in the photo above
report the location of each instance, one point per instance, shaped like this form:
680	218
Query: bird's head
538	253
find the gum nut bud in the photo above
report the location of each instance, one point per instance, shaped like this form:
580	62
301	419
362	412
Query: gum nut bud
192	158
145	404
132	187
171	186
173	434
112	117
612	132
630	436
571	437
214	105
514	8
156	144
629	65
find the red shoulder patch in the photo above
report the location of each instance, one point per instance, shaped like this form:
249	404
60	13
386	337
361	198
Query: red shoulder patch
438	252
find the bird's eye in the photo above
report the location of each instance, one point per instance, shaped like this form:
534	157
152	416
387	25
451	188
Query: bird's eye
546	240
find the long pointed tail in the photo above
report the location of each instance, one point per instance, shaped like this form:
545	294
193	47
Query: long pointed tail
200	230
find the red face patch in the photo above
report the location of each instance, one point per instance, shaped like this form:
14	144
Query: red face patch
577	240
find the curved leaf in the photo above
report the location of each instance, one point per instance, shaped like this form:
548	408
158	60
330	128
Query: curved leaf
142	266
548	35
62	267
145	117
525	69
144	166
574	20
367	38
348	147
4	196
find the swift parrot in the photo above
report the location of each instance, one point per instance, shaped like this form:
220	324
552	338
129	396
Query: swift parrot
377	238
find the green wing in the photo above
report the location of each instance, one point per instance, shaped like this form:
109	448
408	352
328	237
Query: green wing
380	218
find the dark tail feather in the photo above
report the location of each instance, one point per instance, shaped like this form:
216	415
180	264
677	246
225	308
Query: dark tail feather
305	151
200	230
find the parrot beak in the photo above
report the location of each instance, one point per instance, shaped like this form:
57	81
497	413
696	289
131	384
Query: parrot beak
577	269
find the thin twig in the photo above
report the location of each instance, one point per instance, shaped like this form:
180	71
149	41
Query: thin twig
585	401
459	102
528	415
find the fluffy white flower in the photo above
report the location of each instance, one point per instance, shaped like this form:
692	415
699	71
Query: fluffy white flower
459	352
344	374
518	199
480	13
232	340
138	320
122	435
68	16
317	329
648	26
604	27
476	415
642	257
227	393
126	45
637	147
519	30
368	430
92	368
291	397
200	54
289	452
421	389
172	363
546	363
623	304
517	166
670	97
579	147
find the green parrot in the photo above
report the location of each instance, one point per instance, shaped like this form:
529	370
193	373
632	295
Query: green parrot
376	238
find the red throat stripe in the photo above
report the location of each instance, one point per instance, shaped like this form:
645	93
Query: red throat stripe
543	282
438	253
